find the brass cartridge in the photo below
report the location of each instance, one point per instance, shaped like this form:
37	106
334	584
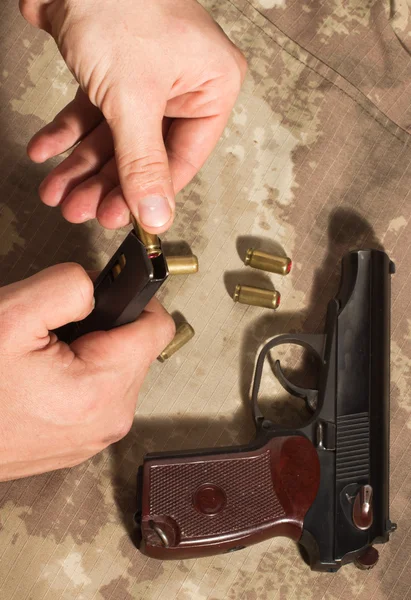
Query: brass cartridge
268	262
150	240
182	265
255	296
119	266
184	333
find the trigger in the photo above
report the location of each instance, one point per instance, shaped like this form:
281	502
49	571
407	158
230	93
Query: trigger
310	396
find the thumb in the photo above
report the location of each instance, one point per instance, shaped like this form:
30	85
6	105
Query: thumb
117	362
142	164
31	308
129	349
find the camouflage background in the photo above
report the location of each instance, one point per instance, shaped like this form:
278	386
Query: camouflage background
316	160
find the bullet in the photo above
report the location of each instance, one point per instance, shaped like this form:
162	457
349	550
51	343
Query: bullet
184	333
182	265
119	266
268	262
150	240
255	296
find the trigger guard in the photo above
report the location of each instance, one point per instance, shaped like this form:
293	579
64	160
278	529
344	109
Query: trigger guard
310	396
314	343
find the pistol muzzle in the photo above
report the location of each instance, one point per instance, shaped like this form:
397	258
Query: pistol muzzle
255	296
182	265
150	240
268	262
184	333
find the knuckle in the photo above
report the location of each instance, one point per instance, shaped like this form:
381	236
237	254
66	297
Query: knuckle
26	9
81	159
79	280
13	314
109	418
237	71
150	167
119	429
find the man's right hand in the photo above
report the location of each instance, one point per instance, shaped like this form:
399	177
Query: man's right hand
60	404
158	81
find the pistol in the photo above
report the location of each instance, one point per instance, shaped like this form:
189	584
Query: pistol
324	485
124	287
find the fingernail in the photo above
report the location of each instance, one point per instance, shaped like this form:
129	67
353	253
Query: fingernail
154	211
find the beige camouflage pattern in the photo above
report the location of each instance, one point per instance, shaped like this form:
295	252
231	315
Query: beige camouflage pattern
316	160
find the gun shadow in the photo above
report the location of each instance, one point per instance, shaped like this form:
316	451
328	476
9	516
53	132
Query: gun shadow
173	432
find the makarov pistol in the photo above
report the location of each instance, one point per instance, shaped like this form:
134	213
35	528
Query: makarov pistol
324	485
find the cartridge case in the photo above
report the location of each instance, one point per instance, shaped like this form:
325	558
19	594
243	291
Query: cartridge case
182	265
119	266
255	296
116	270
268	262
184	333
150	240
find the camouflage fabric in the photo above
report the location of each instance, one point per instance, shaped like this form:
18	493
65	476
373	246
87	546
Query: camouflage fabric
316	160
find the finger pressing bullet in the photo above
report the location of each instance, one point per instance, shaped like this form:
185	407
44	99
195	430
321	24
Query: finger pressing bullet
182	265
184	333
255	296
268	262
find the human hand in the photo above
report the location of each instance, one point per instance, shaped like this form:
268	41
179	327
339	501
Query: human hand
159	81
62	404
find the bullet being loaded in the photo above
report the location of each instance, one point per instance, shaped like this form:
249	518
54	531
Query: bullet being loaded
184	333
268	262
245	294
150	240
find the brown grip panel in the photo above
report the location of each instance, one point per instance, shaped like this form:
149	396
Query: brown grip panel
204	505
